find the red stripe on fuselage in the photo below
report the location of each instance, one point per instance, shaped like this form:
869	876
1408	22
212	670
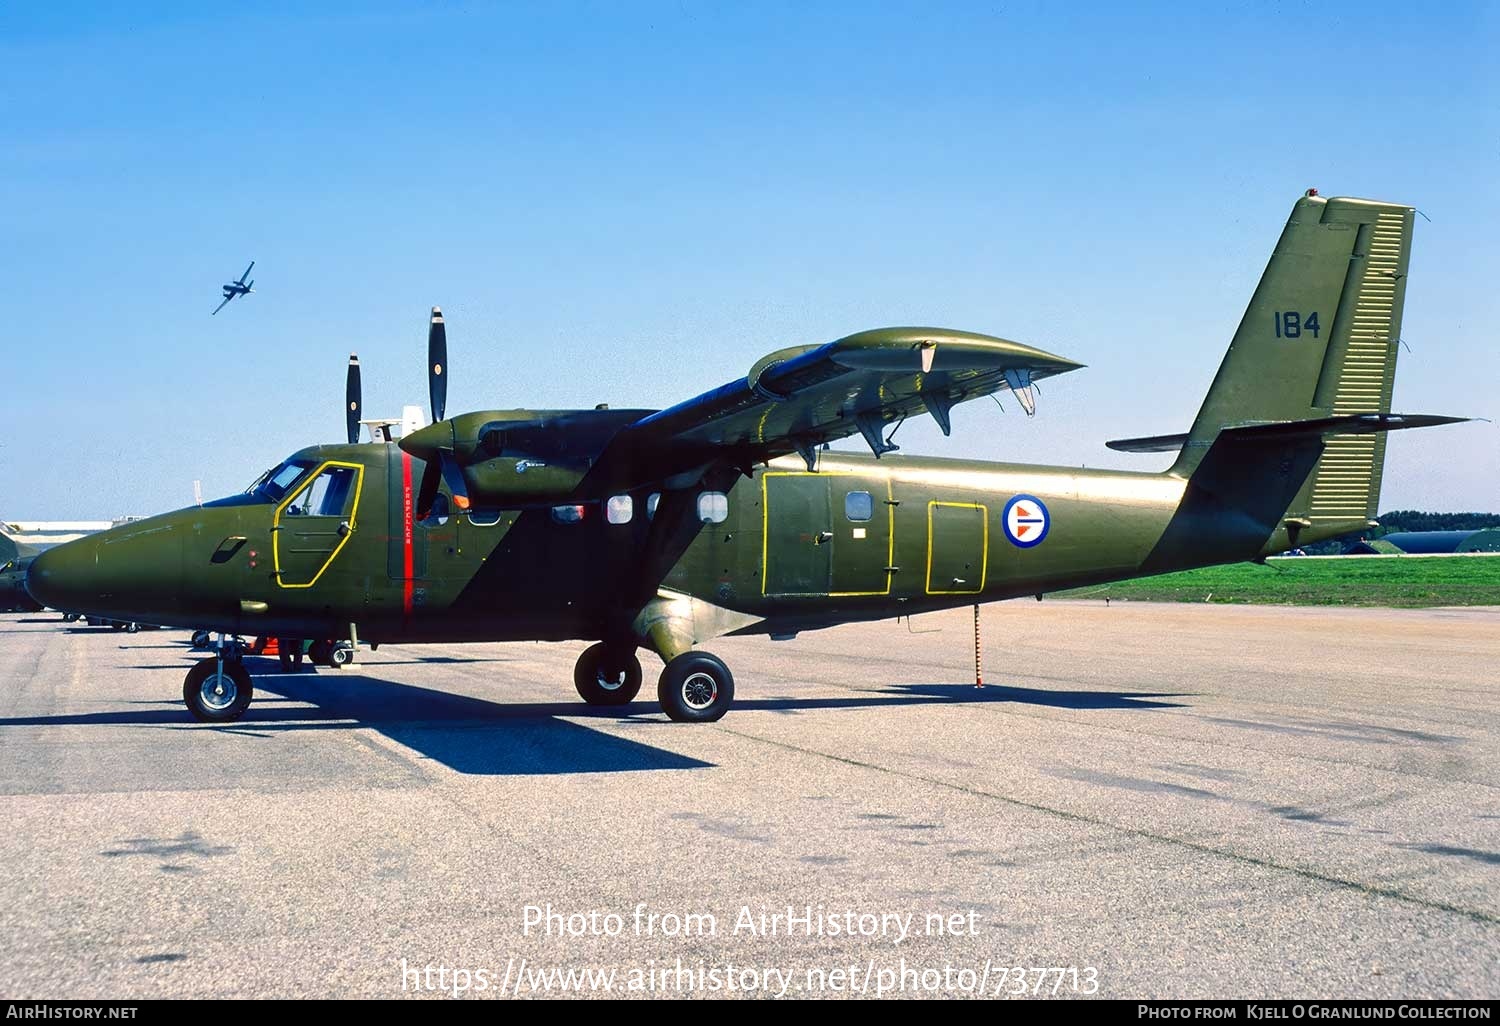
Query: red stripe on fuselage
406	530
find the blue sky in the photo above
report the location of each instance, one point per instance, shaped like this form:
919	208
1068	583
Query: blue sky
631	203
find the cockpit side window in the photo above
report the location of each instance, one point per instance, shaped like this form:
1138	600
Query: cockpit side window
331	494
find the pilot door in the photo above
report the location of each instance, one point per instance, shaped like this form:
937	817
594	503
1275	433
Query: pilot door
826	534
315	522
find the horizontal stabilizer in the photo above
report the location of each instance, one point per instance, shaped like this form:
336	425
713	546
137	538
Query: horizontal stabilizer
1351	424
1151	443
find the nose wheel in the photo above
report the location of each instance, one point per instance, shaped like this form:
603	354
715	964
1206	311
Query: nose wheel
607	675
695	687
217	690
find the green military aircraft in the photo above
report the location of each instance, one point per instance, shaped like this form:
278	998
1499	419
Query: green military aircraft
726	514
14	598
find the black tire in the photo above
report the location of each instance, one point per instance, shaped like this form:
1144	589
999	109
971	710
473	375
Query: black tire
695	688
214	699
340	657
318	653
70	618
132	628
201	639
607	675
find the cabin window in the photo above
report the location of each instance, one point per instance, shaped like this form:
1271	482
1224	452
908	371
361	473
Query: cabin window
484	517
652	501
859	506
713	507
567	514
438	515
619	509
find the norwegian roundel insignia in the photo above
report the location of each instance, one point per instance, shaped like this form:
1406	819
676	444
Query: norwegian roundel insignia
1026	521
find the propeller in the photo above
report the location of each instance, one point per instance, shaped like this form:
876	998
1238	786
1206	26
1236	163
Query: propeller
445	467
437	364
352	399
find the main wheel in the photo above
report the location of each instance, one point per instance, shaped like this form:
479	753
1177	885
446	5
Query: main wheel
70	618
607	675
340	657
132	627
319	653
695	688
215	695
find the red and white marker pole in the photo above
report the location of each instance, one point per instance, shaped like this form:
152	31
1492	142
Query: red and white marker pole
978	663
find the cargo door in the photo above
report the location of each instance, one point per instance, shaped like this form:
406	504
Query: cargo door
797	557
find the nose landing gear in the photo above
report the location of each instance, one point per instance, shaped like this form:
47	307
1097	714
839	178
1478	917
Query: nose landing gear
218	690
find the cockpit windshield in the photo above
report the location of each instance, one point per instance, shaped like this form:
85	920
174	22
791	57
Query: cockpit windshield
274	484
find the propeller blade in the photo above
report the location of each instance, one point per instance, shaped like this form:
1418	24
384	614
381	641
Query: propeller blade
453	477
427	491
443	468
352	399
437	364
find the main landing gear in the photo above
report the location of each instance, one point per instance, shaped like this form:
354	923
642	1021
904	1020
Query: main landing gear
608	675
218	690
694	687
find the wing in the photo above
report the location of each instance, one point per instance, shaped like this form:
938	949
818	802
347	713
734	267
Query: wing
797	399
223	304
247	273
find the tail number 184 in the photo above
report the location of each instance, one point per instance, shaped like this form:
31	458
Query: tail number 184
1291	324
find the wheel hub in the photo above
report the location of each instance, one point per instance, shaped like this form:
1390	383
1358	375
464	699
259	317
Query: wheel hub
218	692
700	690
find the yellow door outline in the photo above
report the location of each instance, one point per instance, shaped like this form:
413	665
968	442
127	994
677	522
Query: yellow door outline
984	549
359	483
765	526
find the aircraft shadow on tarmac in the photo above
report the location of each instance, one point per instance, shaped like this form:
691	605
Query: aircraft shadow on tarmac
482	737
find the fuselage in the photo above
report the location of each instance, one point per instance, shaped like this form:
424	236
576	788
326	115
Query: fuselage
780	551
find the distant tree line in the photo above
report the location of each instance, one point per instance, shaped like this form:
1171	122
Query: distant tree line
1406	520
1415	520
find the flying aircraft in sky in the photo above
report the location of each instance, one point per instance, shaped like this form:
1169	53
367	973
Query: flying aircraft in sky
727	515
236	288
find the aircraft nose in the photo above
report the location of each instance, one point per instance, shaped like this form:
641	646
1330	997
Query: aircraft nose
61	577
